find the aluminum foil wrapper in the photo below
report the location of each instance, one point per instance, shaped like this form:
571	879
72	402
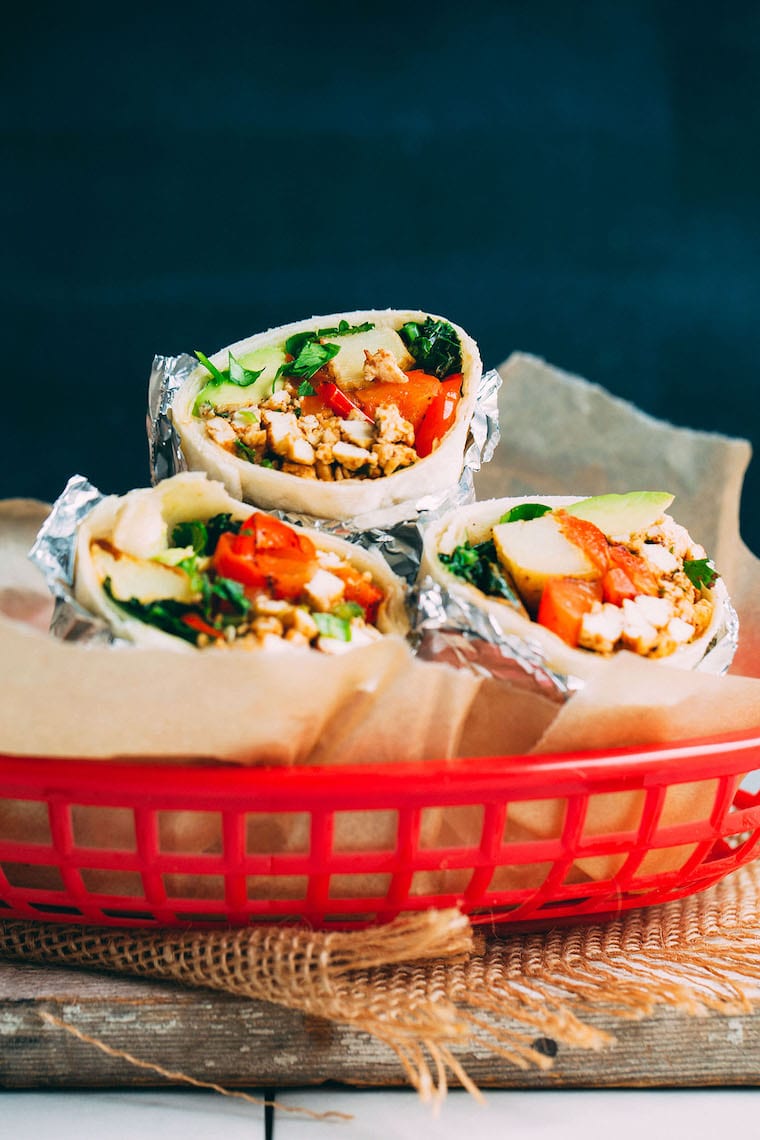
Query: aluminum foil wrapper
54	554
446	629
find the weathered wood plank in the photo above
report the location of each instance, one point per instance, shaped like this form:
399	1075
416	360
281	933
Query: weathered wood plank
236	1042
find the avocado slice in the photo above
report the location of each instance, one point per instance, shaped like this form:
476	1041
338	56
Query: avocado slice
621	515
266	360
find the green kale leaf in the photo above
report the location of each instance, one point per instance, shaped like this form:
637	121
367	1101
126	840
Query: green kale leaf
434	345
479	565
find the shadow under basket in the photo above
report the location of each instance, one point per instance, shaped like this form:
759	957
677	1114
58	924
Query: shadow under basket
530	840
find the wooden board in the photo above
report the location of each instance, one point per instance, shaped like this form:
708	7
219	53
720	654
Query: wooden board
236	1042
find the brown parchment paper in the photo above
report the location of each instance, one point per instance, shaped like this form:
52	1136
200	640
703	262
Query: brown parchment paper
380	703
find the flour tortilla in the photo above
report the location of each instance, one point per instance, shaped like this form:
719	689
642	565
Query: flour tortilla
473	523
348	499
139	523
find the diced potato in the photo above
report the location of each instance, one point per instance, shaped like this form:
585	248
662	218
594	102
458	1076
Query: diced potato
140	578
347	368
533	550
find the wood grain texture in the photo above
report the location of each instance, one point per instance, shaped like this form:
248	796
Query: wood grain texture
238	1043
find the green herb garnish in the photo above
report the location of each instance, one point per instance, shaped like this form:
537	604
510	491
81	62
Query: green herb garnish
305	389
345	329
235	372
525	511
434	345
311	357
700	572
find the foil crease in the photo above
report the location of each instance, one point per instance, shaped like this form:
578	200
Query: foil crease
54	555
167	376
449	630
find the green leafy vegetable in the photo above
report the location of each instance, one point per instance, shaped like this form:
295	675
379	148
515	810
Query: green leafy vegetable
434	345
192	534
234	373
217	377
166	615
245	451
311	357
305	389
345	329
330	625
241	375
700	572
525	511
479	565
203	536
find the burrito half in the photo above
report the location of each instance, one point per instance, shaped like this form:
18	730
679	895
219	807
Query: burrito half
185	566
583	579
335	417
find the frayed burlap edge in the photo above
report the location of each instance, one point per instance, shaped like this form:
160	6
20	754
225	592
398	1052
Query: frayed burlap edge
427	987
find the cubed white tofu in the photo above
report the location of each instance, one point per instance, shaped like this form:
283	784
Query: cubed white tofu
221	432
601	628
324	590
638	634
659	557
680	631
350	456
282	431
301	451
359	432
657	611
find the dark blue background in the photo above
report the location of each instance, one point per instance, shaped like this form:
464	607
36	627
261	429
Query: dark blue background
578	180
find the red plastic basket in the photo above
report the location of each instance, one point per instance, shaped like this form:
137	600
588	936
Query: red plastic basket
521	839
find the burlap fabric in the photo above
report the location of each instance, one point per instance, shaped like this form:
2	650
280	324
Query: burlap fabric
427	985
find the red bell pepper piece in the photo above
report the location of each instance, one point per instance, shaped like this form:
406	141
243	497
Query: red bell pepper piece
339	402
563	603
197	623
439	417
267	554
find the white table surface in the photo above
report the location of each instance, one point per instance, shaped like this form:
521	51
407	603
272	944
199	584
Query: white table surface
652	1114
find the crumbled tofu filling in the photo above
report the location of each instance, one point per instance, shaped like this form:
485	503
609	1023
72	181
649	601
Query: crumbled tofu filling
317	445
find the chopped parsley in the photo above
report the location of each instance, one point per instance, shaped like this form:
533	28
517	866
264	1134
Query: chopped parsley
434	345
700	572
309	354
235	373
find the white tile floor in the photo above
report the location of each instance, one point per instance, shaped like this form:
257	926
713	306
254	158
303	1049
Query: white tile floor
701	1114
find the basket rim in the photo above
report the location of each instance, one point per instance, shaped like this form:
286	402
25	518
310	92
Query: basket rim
521	775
